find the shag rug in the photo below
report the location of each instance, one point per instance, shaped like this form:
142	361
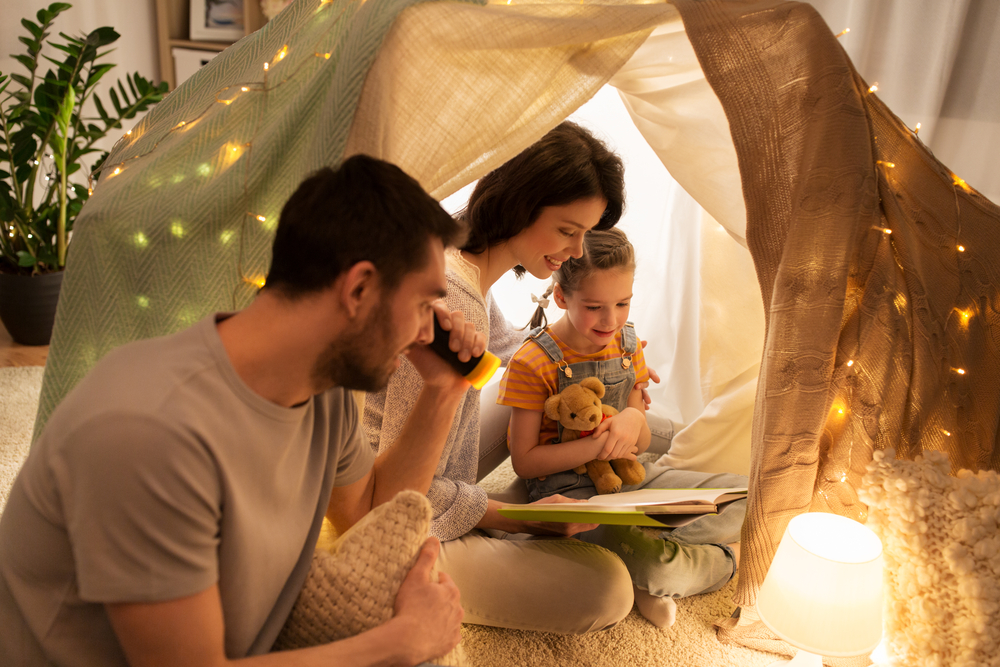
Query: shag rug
691	642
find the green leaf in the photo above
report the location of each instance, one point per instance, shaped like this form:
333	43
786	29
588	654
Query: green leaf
33	46
115	102
21	79
98	72
29	63
131	85
25	259
101	111
102	37
66	66
65	114
35	29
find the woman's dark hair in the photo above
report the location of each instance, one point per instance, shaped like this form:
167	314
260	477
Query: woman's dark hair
602	250
366	209
565	165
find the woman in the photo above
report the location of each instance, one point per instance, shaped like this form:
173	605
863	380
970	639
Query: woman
531	215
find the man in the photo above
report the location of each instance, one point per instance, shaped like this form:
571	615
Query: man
168	513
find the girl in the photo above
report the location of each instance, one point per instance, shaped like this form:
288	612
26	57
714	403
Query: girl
595	339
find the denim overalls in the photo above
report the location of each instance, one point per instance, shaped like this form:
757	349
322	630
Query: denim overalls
618	377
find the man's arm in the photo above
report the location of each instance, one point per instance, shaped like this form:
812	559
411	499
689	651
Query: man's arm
189	631
412	459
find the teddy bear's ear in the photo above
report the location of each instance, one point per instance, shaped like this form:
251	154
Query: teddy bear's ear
594	385
552	407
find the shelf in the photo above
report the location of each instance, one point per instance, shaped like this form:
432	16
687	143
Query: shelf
172	31
202	46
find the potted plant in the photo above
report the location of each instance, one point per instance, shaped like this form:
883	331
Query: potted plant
47	138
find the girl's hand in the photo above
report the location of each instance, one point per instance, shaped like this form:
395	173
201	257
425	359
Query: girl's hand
622	433
653	377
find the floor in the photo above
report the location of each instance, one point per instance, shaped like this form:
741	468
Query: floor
15	354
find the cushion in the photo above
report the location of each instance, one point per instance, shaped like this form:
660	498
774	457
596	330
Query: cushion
942	558
352	585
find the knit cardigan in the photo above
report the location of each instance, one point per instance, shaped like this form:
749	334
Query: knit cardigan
457	502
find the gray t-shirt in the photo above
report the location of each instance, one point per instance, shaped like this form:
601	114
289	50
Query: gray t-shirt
159	475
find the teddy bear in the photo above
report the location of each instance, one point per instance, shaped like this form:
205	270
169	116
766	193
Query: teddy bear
579	409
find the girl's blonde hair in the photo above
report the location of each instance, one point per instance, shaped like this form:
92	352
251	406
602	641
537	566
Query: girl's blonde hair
602	250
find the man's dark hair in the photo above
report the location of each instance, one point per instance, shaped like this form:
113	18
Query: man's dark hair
565	165
366	209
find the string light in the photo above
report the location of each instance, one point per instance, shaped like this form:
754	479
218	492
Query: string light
946	432
256	281
961	248
873	87
261	218
850	363
843	32
891	165
960	371
129	133
244	89
266	65
281	54
960	183
916	130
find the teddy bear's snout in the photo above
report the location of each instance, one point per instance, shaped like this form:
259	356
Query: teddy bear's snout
593	419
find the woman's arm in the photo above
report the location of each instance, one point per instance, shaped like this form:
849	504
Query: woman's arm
531	459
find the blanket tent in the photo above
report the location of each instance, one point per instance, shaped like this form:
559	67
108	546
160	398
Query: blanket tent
878	267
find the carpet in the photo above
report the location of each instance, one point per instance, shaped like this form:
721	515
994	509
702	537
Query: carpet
691	642
19	391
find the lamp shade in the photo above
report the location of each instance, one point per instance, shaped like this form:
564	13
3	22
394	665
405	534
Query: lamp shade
823	592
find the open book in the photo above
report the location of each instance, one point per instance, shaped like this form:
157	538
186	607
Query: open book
670	508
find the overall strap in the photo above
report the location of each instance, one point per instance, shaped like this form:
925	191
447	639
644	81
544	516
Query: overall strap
544	341
630	342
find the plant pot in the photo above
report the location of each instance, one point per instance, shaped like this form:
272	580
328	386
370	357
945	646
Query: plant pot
28	306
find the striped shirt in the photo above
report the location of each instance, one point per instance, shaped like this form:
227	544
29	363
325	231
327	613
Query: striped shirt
531	377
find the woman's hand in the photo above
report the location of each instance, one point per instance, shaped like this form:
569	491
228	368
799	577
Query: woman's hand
622	434
493	519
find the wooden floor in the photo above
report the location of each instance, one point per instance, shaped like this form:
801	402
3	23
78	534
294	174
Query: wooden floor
15	354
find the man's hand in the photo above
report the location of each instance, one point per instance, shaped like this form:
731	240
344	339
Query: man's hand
464	340
622	434
642	386
428	614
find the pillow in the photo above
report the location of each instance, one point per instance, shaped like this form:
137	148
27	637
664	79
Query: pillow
942	558
351	586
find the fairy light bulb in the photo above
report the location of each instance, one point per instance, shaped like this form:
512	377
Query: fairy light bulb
887	231
843	32
261	218
850	363
916	130
266	65
946	432
281	54
873	87
891	165
244	88
960	371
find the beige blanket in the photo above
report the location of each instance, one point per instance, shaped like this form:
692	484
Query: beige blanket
878	268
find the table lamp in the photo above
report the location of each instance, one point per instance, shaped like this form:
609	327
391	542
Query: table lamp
823	592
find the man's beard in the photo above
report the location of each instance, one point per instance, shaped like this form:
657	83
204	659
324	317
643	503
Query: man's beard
359	358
